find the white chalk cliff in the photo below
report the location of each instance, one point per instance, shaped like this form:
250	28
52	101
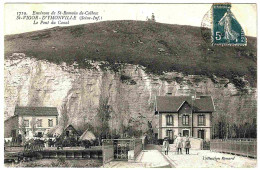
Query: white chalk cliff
31	82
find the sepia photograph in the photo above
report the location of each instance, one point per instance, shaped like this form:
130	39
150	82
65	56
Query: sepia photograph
130	85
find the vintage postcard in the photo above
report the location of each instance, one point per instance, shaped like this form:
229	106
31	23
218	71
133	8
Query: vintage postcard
130	85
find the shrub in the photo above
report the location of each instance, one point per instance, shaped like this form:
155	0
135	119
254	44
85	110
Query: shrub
127	79
77	31
206	145
61	160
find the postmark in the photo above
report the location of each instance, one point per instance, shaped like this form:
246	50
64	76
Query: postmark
226	30
206	25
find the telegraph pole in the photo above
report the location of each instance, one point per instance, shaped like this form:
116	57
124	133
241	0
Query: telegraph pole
192	106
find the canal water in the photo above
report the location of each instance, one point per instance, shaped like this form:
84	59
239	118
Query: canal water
58	163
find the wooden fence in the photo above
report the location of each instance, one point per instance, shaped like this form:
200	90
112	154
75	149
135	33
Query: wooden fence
12	144
235	146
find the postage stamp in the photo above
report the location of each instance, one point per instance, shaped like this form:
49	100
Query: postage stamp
226	30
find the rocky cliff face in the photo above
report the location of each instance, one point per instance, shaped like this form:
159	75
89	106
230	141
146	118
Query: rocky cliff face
31	82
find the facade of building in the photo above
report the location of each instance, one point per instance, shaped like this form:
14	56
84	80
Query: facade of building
31	122
185	115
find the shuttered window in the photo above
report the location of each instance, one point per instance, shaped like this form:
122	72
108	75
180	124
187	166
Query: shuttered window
169	120
201	120
26	123
185	120
50	122
39	123
169	133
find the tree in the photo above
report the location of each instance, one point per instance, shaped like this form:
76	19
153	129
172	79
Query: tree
33	125
22	128
104	115
150	133
64	116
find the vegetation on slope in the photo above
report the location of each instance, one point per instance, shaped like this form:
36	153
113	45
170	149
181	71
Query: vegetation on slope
158	47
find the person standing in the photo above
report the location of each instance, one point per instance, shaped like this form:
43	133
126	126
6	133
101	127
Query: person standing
179	144
166	146
187	145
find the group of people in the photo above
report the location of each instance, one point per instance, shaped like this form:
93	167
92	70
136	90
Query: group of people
179	143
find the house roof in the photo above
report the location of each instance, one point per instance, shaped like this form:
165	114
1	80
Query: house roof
70	127
10	118
36	111
87	135
174	103
58	130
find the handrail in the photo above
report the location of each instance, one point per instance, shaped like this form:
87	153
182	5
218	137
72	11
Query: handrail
246	147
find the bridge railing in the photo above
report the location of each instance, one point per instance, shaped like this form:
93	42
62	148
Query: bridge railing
107	151
137	147
239	147
125	149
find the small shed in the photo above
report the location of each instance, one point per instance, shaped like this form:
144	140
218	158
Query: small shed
87	135
70	131
56	131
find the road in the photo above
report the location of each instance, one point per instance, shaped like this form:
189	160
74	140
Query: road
153	156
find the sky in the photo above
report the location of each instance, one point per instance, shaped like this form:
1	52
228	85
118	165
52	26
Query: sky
181	14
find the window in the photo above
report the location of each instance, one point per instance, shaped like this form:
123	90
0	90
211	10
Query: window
39	134
169	120
39	123
26	123
201	120
50	122
169	133
185	120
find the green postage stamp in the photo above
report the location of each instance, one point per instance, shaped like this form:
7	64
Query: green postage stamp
226	30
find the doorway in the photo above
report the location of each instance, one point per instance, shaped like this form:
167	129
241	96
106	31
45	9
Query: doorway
201	134
169	134
13	133
40	134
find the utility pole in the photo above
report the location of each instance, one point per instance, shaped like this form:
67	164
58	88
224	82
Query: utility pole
192	106
111	124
